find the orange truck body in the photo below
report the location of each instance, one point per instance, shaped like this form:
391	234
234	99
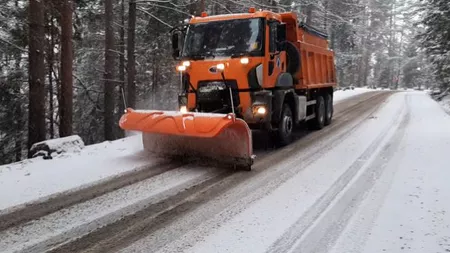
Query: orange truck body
315	74
256	70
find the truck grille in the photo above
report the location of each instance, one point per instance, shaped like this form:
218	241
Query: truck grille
214	96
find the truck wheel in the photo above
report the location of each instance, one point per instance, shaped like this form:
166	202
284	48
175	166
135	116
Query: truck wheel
328	109
319	121
285	126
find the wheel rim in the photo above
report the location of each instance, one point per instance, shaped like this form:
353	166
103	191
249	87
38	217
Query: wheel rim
288	124
321	112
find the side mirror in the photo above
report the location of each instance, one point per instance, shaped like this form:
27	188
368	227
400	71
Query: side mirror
176	45
281	37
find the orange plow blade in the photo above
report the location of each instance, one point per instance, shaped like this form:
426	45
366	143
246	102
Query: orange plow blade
193	136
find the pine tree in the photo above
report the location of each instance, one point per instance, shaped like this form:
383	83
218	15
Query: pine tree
436	37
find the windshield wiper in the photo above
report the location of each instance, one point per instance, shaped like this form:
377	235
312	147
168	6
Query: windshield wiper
196	57
210	54
238	55
201	56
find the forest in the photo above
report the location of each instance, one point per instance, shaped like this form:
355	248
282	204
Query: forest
70	66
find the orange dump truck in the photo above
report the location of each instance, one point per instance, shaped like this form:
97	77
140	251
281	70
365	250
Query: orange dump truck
257	70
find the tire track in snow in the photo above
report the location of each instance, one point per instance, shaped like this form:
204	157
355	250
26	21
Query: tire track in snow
55	202
318	230
81	219
354	236
145	218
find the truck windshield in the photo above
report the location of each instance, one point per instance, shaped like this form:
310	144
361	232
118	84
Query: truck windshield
224	38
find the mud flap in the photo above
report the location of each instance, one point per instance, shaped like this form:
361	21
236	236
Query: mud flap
222	138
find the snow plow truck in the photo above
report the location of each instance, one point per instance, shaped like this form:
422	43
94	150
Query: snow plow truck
239	72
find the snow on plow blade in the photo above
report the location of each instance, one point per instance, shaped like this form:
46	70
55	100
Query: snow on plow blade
220	137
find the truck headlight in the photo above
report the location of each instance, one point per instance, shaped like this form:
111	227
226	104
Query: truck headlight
259	110
186	63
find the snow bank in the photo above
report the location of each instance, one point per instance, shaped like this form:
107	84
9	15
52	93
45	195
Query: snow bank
442	97
36	178
341	94
68	144
445	103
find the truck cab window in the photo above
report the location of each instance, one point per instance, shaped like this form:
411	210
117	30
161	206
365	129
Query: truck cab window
273	36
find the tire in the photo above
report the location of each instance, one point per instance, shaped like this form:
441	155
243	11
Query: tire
328	109
319	109
285	126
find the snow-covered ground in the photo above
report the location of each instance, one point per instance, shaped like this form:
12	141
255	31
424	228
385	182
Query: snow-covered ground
408	209
380	184
341	94
38	178
445	103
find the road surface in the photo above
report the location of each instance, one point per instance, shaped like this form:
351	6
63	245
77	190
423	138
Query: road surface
373	181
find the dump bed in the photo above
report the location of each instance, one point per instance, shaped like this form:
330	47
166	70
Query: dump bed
317	60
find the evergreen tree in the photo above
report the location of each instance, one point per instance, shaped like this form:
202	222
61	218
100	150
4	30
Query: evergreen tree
436	37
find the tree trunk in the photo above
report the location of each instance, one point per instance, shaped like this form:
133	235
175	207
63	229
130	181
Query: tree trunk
36	111
109	72
66	103
202	6
131	68
366	69
122	55
18	118
391	52
50	78
192	7
121	92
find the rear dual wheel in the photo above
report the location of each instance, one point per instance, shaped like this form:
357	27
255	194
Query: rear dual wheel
319	110
329	110
323	110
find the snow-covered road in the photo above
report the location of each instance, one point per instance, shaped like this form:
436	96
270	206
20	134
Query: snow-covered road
38	180
373	181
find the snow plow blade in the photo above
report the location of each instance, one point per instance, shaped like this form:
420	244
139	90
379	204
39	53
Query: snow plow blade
222	138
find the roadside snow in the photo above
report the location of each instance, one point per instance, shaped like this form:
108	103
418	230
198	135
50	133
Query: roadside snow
69	144
445	103
341	94
36	178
